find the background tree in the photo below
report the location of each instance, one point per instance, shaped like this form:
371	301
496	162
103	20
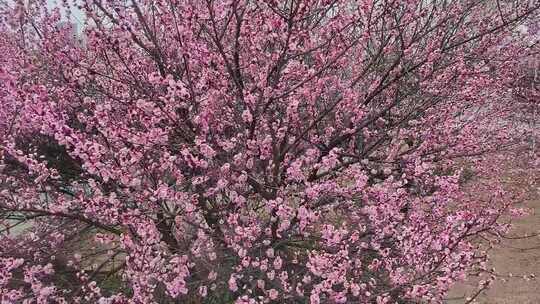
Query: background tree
303	151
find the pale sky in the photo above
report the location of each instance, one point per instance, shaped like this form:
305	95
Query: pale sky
77	15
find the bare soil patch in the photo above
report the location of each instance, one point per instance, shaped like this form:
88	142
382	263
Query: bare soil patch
516	261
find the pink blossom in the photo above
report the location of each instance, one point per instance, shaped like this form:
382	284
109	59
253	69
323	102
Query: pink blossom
273	294
232	284
278	262
316	148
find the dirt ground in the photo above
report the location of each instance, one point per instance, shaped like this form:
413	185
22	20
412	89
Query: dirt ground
516	261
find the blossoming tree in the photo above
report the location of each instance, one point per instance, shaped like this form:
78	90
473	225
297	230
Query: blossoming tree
253	151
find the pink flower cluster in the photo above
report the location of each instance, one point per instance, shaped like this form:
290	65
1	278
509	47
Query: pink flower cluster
254	151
